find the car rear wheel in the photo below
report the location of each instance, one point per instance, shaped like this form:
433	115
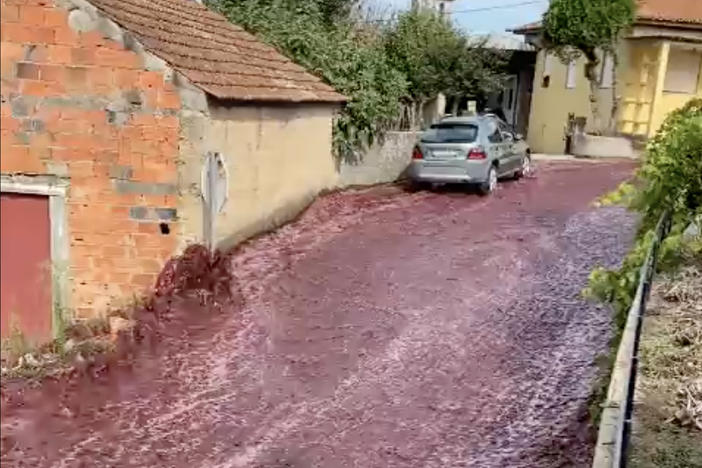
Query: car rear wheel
490	183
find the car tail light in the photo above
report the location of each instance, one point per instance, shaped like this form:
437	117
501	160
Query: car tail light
417	153
477	153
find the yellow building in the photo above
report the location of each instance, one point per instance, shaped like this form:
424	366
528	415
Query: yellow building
659	70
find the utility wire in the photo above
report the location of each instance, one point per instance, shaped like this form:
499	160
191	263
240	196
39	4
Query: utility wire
496	7
473	10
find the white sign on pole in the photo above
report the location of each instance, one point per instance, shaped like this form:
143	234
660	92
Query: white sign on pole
214	188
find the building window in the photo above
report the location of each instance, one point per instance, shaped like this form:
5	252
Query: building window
571	75
548	65
607	72
683	71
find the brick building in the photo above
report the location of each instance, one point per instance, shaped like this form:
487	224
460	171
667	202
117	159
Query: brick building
110	109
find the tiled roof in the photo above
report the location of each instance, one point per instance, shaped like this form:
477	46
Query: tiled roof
503	42
667	11
675	11
217	56
526	28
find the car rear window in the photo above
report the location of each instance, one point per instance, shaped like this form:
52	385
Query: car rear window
451	133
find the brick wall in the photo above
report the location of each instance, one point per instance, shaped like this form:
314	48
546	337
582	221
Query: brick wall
79	106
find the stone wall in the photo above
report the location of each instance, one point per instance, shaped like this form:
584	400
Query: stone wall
82	102
385	161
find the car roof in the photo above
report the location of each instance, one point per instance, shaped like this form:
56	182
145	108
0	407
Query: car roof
473	119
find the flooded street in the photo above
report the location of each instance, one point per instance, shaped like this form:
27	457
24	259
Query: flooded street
381	329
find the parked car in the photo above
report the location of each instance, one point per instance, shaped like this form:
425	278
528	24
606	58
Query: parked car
474	150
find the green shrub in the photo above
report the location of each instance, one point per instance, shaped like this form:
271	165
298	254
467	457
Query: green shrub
670	178
381	68
436	58
355	64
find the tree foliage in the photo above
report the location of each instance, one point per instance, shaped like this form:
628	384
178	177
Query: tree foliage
436	58
305	32
336	10
669	179
587	27
378	67
671	176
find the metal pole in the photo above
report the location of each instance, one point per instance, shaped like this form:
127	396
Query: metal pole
209	201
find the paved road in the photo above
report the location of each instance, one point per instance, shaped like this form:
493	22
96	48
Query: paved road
382	329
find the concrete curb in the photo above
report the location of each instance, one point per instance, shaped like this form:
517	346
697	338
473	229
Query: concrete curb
576	159
615	422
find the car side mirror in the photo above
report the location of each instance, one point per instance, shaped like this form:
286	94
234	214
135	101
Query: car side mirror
518	136
507	136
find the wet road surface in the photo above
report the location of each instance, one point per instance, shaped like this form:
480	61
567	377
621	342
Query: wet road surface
382	329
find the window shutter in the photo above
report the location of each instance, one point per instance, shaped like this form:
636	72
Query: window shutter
607	73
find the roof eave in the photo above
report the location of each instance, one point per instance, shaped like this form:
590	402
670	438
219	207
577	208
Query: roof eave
679	24
253	100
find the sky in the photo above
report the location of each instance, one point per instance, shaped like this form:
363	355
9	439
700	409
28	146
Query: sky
488	15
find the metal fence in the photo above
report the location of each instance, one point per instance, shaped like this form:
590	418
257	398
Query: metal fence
615	424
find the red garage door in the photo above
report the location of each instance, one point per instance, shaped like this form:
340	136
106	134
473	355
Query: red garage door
25	258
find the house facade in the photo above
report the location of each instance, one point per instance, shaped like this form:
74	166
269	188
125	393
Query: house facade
659	70
112	113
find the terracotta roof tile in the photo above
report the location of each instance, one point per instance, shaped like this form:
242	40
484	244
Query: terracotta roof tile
676	11
526	28
214	54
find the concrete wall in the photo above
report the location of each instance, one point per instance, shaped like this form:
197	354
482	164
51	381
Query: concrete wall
385	161
669	103
278	159
666	102
80	107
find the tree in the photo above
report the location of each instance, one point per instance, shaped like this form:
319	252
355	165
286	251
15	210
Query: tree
335	10
472	70
414	43
590	28
328	47
438	59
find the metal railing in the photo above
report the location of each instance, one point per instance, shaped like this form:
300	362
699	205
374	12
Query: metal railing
615	423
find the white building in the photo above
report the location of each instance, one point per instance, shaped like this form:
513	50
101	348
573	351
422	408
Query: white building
442	6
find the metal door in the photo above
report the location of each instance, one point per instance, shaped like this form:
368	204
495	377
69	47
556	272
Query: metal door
25	266
509	99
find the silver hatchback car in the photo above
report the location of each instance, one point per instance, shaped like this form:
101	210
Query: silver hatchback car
472	150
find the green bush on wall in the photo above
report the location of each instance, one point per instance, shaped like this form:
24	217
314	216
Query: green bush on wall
364	61
670	178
